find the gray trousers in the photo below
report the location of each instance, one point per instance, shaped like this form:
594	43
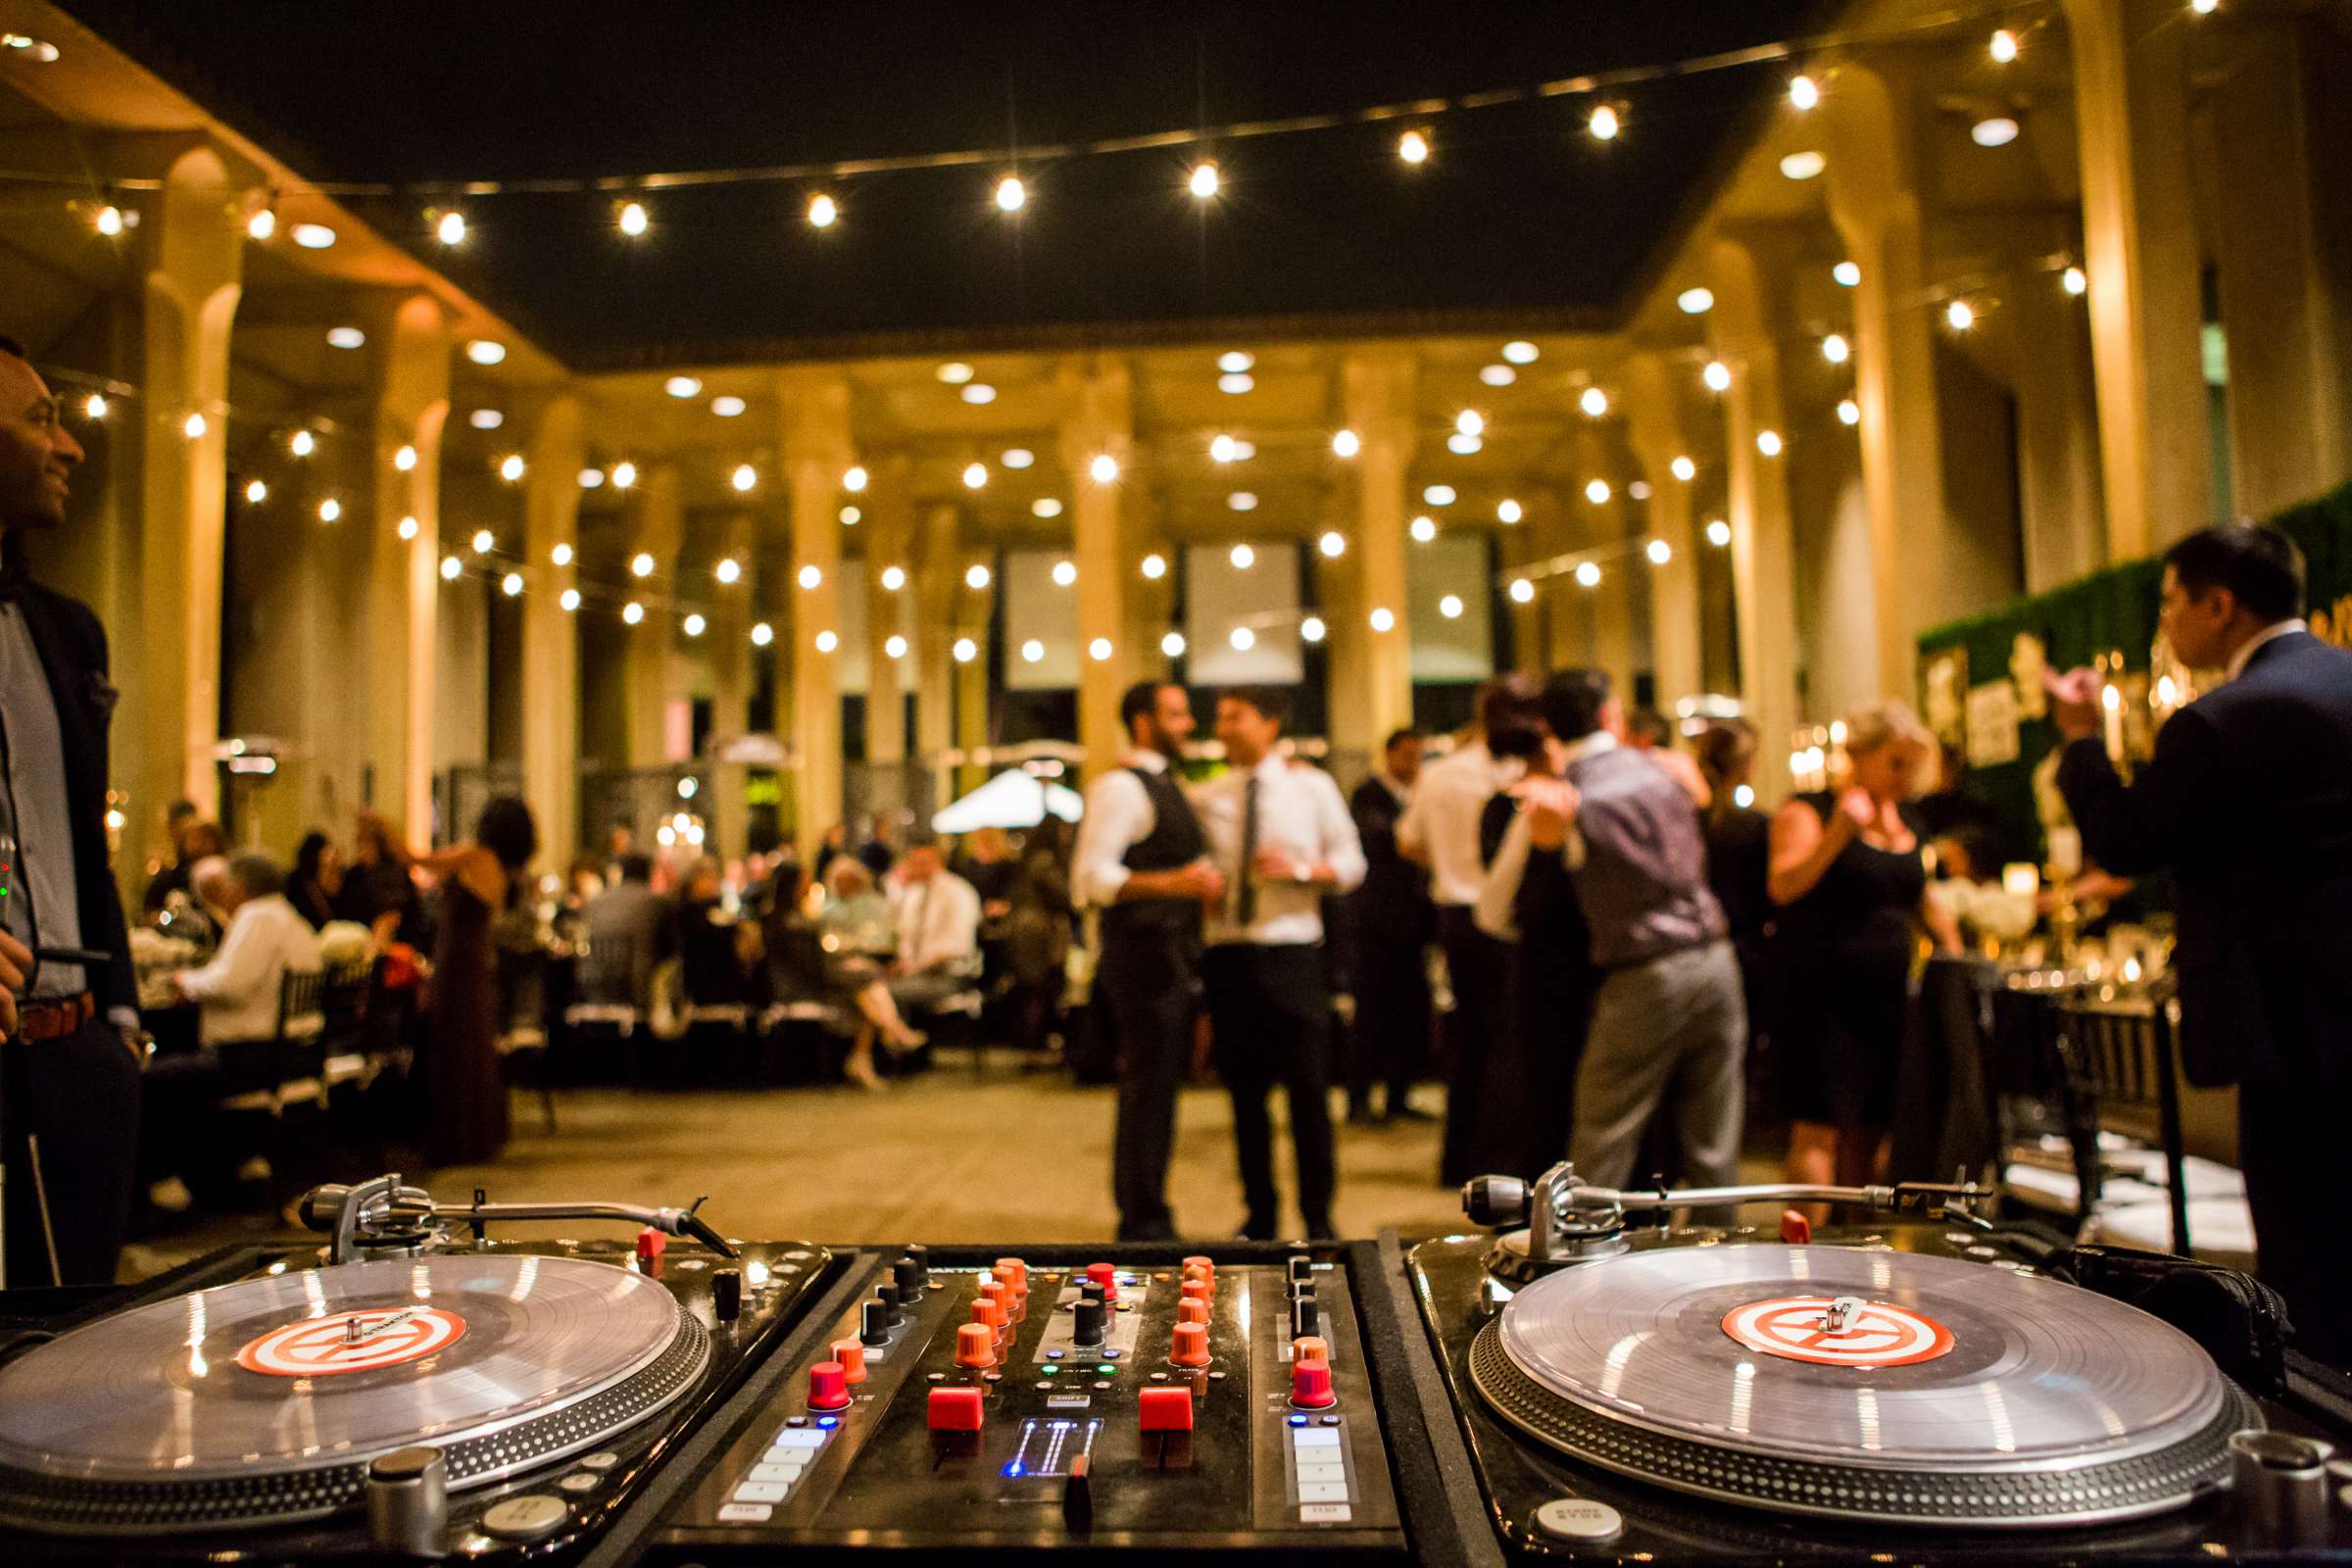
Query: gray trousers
1673	1030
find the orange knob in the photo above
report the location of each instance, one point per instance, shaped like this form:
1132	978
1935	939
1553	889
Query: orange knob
851	1356
1013	1272
976	1346
1192	1310
1001	1294
1310	1347
1200	1268
1191	1345
988	1315
1198	1291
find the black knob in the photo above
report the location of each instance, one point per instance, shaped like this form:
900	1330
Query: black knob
873	1324
1078	1495
887	1296
908	1275
921	1257
1302	1270
1089	1290
1304	1318
726	1295
1089	1315
1496	1201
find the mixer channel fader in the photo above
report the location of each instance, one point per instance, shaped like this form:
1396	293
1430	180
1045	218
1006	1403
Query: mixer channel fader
1018	1403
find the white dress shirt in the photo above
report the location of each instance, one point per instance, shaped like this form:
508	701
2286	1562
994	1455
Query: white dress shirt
1440	823
237	993
2268	634
1300	812
937	921
1118	816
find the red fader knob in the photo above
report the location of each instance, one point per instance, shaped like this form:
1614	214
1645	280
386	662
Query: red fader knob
1105	1275
1191	1345
957	1410
1165	1410
975	1347
1196	1291
1310	1386
828	1387
851	1356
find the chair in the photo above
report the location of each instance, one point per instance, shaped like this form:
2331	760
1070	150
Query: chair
522	1024
2119	1055
611	1002
287	1069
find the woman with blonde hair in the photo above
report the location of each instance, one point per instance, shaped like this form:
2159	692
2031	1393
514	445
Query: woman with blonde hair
1848	873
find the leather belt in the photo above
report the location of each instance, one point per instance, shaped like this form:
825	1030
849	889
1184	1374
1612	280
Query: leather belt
53	1021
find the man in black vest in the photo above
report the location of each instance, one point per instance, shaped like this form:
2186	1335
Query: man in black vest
2249	800
71	1093
1140	862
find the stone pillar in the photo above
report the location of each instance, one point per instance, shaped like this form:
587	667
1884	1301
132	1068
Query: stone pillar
1379	389
1151	602
937	579
2139	247
193	282
1763	554
2282	244
2057	434
815	441
888	542
649	679
1653	410
1098	420
551	639
404	585
1346	635
1601	527
731	679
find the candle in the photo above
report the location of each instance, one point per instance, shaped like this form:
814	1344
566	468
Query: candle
2066	851
2021	878
2111	698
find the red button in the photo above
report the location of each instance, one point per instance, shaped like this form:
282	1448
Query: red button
1796	1229
1310	1347
1165	1410
1310	1385
1105	1275
851	1356
957	1410
1191	1309
828	1387
975	1347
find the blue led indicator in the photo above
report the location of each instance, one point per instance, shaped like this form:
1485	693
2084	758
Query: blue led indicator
828	1421
1298	1420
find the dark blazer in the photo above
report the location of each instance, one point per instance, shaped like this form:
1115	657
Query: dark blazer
1391	907
73	648
2249	800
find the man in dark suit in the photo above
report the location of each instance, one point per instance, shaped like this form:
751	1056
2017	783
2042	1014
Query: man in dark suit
1392	921
2249	800
70	1095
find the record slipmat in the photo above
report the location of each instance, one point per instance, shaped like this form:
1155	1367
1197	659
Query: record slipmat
264	1399
1862	1384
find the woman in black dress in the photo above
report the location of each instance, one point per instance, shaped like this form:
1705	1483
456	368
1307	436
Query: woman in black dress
1850	876
466	1086
317	878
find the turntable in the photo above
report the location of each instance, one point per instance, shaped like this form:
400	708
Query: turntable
1632	1387
415	1392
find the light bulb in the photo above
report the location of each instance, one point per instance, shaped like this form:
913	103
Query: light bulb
693	624
1333	544
1659	552
407	529
1312	629
256	492
1099	650
727	407
851	517
1346	444
110	219
1683	468
823	211
2003	47
450	228
2074	280
955	372
1588	574
1803	92
1032	651
569	599
827	641
632	612
1768	442
484	541
1960	315
976	577
762	634
1696	301
633	222
965	650
1994	130
1242	556
1508	510
1172	644
1104	470
1523	592
560	554
405	459
1719	533
853	478
94	406
1064	573
1519	352
1232	361
511	468
1597	491
1450	607
1594	402
1717	375
1849	412
1835	349
1012	194
331	510
894	647
1604	123
1154	566
511	584
1439	495
1203	181
1382	618
1044	507
1016	458
486	351
641	565
894	578
1243	639
1496	374
1414	147
1422	530
810	575
1243	500
1221	448
744	478
729	570
451	567
314	236
1470	423
978	394
262	224
975	475
302	443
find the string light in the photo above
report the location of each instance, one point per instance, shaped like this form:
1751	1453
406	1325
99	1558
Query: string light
1588	574
744	478
894	647
1470	423
302	443
262	224
854	478
1099	650
1242	556
965	650
1172	644
727	408
194	426
823	211
94	406
1597	491
1683	468
2003	47
560	554
1044	507
450	228
975	475
1835	349
1960	315
894	578
1103	469
484	541
1016	458
1604	123
1333	544
345	337
1064	573
1312	629
1508	510
110	221
1802	166
1154	566
827	641
569	599
2074	280
256	493
1439	495
1768	442
624	475
1496	374
1803	92
1414	147
810	577
450	567
1346	444
512	584
1594	402
1012	194
1847	274
1719	533
632	220
1243	500
1233	383
1243	639
407	529
1203	180
405	459
729	570
632	612
1659	552
693	624
1717	375
511	468
762	634
1221	448
976	577
1234	360
955	372
1450	607
1849	411
1997	131
485	419
1423	529
1382	618
641	565
331	510
1032	651
1523	592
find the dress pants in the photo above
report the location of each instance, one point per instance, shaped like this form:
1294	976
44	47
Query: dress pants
2290	1145
1479	1133
77	1097
1147	979
1270	1007
1390	1037
1670	1031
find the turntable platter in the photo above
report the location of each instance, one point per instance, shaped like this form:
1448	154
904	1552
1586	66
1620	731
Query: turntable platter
1869	1383
264	1399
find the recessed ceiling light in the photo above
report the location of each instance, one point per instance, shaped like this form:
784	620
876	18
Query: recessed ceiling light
955	372
1519	352
727	408
312	236
1044	507
1997	132
346	337
1235	382
1234	361
485	351
1497	375
683	386
485	419
979	392
1803	166
1696	301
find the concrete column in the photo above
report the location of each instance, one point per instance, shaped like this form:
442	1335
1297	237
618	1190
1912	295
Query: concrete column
1346	637
2282	245
1763	554
1518	550
889	541
2140	250
2057	434
815	441
1653	410
1602	527
936	580
191	290
1098	420
730	649
404	586
1151	603
1379	391
651	681
550	638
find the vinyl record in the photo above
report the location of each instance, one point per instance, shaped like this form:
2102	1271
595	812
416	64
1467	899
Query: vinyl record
265	1399
1880	1384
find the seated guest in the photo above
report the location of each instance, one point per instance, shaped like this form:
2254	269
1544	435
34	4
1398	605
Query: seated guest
193	838
621	929
317	878
376	890
937	915
987	863
801	969
236	995
706	940
856	920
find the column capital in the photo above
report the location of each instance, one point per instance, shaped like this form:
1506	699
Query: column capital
1379	394
813	405
1097	401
